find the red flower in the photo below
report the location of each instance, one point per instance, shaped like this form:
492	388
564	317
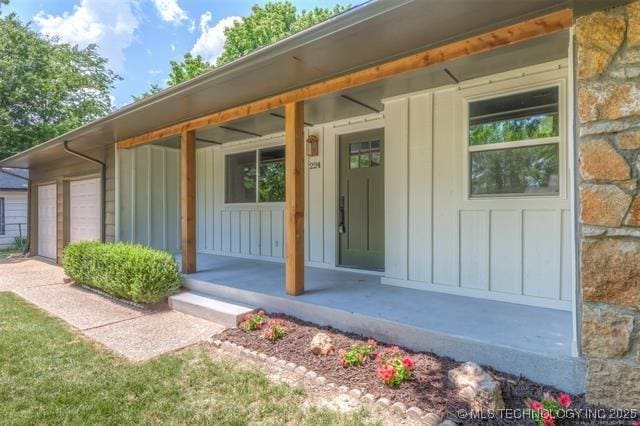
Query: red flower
547	419
564	400
535	405
379	358
636	423
407	362
386	372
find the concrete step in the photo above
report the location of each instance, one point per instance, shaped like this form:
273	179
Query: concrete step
209	308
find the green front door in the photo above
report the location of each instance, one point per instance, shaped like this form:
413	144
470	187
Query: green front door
361	200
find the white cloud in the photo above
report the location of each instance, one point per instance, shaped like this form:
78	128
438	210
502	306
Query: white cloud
170	11
173	47
110	25
192	26
211	41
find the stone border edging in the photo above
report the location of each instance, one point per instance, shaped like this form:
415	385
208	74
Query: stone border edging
398	408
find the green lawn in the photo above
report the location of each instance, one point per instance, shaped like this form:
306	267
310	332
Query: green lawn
49	374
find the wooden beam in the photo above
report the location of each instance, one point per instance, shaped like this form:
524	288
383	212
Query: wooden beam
512	34
188	200
294	198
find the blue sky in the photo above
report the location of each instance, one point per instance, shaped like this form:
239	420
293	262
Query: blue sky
140	37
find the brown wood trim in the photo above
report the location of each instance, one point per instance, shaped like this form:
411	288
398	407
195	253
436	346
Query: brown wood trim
294	198
512	34
188	200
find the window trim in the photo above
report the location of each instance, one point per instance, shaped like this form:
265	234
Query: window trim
3	219
256	150
513	87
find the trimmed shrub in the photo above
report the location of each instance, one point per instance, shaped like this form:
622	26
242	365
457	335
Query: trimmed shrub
128	271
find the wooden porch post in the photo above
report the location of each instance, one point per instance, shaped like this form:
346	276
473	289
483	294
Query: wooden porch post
294	209
188	200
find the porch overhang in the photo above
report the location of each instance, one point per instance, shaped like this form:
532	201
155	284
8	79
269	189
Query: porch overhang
298	61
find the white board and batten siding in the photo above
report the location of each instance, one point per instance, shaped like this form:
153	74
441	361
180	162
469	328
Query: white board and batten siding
515	249
149	196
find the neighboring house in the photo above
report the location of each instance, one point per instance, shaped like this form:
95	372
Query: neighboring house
477	158
13	208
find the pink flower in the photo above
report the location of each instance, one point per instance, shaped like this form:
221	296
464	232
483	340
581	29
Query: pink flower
386	373
564	400
547	419
636	423
548	396
372	342
535	405
407	362
379	358
394	349
261	312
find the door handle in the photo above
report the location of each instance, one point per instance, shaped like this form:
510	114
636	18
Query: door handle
341	227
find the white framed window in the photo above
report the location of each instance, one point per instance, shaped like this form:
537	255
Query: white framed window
2	218
254	176
514	143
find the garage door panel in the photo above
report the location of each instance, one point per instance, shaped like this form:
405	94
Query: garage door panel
47	221
84	210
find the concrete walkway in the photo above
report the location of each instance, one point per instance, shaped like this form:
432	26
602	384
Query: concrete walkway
137	334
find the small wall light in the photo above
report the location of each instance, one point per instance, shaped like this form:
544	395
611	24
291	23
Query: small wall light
312	146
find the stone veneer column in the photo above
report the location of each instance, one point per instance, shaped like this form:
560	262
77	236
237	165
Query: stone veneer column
608	149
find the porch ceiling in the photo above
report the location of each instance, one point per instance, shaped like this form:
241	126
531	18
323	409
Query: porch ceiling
368	99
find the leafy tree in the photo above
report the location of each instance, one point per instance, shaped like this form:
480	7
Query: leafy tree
267	24
190	67
46	88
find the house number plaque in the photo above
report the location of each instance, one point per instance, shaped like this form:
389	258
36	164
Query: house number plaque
314	165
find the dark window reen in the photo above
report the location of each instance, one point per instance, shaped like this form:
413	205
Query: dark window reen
271	183
514	144
246	183
2	223
364	154
240	182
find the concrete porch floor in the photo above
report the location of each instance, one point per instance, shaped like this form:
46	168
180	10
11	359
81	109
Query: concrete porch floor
518	339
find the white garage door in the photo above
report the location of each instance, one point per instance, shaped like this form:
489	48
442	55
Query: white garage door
84	210
47	221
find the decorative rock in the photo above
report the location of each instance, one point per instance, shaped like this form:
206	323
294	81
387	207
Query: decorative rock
300	370
603	205
383	402
477	387
330	386
633	216
281	362
67	280
399	407
633	29
272	360
608	100
598	38
415	412
311	375
628	185
599	161
262	356
629	140
290	366
321	344
610	271
448	423
343	389
605	332
321	380
367	397
356	393
613	384
246	352
630	56
217	343
431	419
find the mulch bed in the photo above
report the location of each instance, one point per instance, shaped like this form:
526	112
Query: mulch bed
428	389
